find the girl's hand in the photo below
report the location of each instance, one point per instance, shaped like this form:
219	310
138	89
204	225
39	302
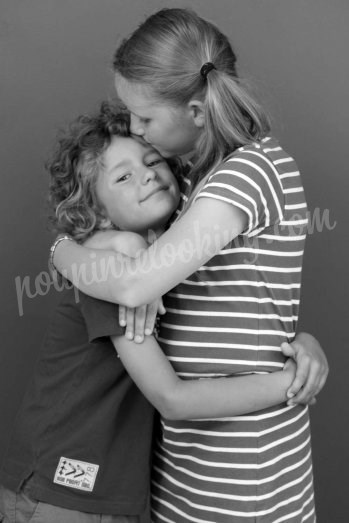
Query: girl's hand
140	321
312	368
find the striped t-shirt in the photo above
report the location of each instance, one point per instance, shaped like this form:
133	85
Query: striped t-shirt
227	318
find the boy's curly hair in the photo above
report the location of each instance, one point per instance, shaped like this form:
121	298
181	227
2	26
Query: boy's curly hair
74	168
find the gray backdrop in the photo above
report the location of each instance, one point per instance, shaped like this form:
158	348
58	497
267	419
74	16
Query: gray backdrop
55	64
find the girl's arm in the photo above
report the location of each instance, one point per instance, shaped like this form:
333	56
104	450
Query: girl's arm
312	367
187	245
201	233
200	398
179	399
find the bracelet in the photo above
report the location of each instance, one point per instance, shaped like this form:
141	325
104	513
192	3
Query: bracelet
53	249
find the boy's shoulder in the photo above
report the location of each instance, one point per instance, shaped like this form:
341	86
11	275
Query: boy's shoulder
79	316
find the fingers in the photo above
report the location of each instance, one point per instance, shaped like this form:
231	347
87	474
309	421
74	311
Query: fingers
324	369
133	320
310	378
312	387
122	315
288	350
323	379
161	307
311	402
130	323
315	380
309	389
302	374
312	369
139	315
289	364
150	319
139	321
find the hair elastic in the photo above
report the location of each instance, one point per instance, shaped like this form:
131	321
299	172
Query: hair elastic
206	68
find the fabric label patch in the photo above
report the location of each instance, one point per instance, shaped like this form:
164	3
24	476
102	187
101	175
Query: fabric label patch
76	474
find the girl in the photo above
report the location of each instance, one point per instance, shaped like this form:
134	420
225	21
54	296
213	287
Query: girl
238	251
80	450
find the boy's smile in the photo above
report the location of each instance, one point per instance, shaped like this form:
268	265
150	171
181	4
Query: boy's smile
136	186
154	191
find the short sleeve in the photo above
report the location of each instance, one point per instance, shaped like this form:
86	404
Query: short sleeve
250	181
101	317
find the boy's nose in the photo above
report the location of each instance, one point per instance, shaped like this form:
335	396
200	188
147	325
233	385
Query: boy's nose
149	174
136	126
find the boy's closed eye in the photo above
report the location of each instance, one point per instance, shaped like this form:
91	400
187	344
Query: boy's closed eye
123	178
155	161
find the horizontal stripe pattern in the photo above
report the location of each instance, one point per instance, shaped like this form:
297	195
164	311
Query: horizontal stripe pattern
230	317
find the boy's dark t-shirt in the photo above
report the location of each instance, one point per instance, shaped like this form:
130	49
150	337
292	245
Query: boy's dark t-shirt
82	437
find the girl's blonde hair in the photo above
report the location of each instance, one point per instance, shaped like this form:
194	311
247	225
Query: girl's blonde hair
165	55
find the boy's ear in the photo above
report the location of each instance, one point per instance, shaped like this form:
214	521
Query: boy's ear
197	111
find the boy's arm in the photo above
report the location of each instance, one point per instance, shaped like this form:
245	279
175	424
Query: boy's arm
201	398
125	242
312	366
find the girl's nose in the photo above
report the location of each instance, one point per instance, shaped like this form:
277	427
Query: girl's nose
136	126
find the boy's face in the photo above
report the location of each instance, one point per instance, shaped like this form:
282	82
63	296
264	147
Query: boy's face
136	188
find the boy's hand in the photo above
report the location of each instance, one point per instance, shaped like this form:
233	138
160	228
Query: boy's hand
141	320
312	368
129	243
101	240
290	368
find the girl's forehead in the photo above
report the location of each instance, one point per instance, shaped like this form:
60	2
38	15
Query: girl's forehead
133	95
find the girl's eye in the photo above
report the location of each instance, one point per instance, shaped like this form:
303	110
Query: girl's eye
144	120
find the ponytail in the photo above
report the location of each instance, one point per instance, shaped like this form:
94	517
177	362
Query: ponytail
233	118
